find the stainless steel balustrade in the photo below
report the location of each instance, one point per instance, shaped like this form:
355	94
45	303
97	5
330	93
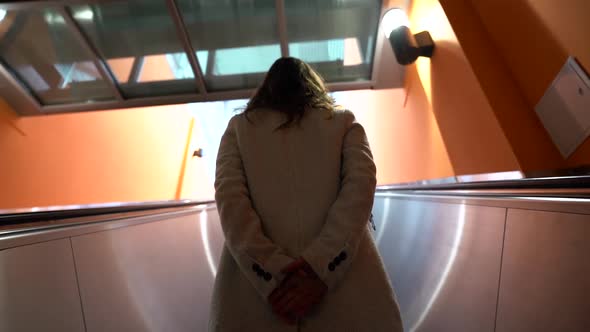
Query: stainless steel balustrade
459	260
487	261
126	271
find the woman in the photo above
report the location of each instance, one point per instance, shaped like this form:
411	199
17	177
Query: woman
294	184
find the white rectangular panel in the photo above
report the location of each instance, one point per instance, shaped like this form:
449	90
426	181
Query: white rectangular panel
564	110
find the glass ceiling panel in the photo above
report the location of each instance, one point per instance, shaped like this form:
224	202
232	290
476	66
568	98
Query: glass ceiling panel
138	40
41	50
336	37
239	36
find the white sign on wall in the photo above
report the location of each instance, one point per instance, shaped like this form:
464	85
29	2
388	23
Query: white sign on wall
565	108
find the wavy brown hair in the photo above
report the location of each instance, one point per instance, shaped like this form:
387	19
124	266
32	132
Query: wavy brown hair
291	86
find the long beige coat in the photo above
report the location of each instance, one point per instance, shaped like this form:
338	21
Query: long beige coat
302	191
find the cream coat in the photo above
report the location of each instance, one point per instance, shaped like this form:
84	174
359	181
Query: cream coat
303	191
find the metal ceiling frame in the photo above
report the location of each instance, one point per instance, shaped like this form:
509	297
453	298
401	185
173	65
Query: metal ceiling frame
102	68
51	3
19	92
136	69
282	27
201	94
183	98
183	36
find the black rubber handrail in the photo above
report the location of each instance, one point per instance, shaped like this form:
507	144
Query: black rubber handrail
567	182
41	216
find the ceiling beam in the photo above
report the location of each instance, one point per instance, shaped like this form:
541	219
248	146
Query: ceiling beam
183	36
282	27
136	69
102	68
17	95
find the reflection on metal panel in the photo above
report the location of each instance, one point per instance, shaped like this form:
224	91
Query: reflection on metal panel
486	177
545	282
38	290
212	237
443	260
150	277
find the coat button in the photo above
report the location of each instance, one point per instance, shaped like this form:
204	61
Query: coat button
342	255
331	267
255	267
267	276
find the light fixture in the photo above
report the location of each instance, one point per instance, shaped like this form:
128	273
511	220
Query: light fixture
393	19
84	14
54	19
406	47
2	14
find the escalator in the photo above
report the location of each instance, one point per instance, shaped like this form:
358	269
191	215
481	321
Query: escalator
479	256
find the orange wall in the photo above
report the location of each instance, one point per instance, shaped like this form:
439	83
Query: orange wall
567	21
472	135
534	38
462	112
516	47
123	155
146	153
405	140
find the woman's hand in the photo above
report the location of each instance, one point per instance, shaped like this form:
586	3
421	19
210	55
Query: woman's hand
299	291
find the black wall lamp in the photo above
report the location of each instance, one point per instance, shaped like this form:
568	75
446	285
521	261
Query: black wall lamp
406	47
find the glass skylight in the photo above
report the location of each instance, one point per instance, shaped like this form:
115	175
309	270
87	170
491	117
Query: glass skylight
139	42
45	56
